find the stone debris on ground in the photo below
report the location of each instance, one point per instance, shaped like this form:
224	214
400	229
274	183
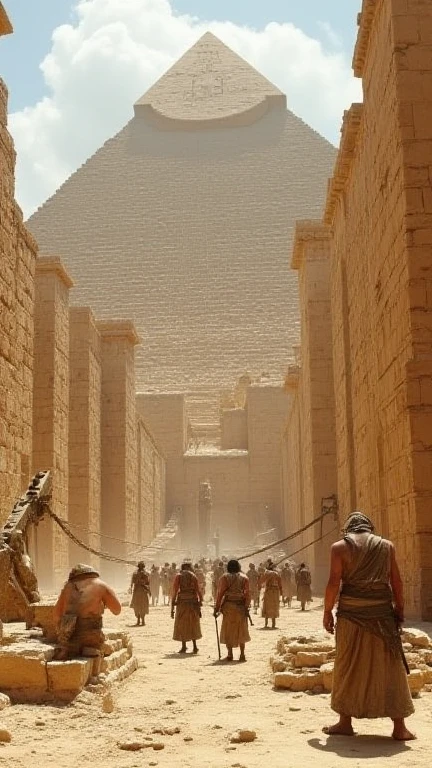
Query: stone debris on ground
5	735
243	735
305	663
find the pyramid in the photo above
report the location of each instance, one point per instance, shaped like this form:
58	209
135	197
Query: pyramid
183	222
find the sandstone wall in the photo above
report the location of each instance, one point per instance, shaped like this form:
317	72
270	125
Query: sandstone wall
310	443
51	410
18	255
151	485
267	410
378	209
119	466
234	429
84	433
165	416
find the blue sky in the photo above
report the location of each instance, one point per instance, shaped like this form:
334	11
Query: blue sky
74	68
35	20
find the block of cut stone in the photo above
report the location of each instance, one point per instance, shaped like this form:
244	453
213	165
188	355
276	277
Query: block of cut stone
310	659
68	676
298	681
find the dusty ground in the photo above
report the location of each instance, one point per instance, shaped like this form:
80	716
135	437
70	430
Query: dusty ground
208	701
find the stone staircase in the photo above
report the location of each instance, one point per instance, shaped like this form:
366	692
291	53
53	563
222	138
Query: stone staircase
203	412
164	546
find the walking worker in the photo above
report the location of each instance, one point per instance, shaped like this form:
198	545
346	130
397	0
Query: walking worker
186	599
140	587
233	601
303	580
369	678
272	583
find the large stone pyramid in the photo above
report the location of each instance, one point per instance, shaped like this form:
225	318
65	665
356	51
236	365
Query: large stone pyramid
183	222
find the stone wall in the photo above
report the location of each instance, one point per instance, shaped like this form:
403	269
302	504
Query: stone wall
165	416
267	410
309	441
151	485
119	466
84	433
51	410
379	207
18	255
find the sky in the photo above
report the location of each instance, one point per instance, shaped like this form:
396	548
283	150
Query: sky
75	67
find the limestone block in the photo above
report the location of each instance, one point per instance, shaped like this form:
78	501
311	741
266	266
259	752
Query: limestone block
327	676
416	681
115	660
309	659
278	665
20	671
68	676
42	615
416	637
413	660
298	681
310	647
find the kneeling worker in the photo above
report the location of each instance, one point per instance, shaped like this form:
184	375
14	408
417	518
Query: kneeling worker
78	615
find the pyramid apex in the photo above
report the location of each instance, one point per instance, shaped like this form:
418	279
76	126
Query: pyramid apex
209	84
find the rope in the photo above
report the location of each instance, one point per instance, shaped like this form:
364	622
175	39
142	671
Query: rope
287	538
104	555
64	525
315	541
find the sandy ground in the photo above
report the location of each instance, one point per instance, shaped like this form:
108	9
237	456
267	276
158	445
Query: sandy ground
207	701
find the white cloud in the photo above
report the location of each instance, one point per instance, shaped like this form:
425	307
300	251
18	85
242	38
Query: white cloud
116	49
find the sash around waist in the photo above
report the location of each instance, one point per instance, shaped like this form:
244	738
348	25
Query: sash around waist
373	591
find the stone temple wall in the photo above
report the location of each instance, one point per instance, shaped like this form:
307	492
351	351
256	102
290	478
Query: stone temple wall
18	257
309	440
151	485
380	211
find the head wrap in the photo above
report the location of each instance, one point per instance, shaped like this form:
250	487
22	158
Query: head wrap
81	571
186	565
233	566
141	565
357	522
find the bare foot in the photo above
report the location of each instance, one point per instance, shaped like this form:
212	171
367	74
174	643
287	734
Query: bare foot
228	658
338	730
242	658
403	734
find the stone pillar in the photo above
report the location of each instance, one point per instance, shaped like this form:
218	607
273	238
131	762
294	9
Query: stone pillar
84	433
119	472
18	256
311	257
51	411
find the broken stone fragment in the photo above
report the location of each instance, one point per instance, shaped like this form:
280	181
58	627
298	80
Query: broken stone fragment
4	701
5	735
132	746
416	637
242	735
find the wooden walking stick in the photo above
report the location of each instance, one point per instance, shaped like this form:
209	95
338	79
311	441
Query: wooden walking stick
217	636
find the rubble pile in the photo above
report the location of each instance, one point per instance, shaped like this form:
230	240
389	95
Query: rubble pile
305	663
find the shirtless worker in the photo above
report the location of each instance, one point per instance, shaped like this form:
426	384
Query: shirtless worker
186	599
233	601
78	615
369	678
